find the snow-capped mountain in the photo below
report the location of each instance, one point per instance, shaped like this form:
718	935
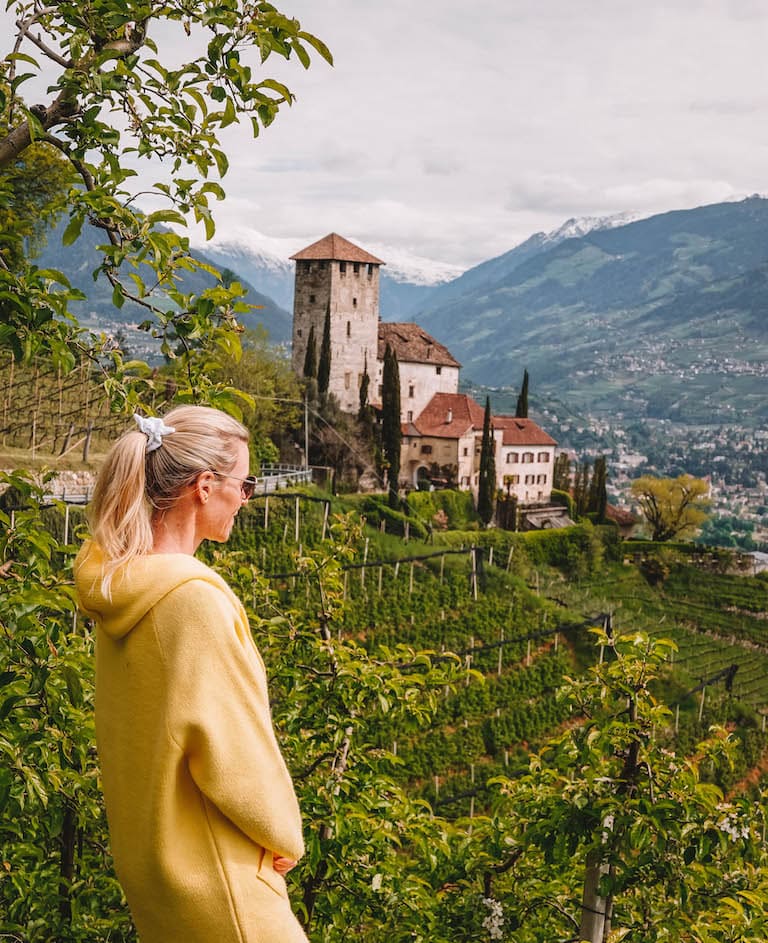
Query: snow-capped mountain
579	226
265	262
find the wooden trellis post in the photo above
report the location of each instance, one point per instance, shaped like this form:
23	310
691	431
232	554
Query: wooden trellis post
87	444
381	576
297	520
509	558
490	557
266	511
326	509
442	568
410	581
501	650
365	560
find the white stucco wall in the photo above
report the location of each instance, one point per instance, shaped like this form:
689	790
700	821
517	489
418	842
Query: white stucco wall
532	465
418	384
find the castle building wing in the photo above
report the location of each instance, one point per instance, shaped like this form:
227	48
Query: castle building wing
412	344
450	416
517	431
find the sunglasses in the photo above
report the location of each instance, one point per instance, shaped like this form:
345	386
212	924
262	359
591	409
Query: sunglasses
247	485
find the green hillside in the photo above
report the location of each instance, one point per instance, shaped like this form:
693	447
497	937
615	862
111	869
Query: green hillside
674	302
456	736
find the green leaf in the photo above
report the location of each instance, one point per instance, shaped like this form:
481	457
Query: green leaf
72	232
118	298
230	115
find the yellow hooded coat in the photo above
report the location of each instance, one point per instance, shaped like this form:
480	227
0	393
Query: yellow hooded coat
197	793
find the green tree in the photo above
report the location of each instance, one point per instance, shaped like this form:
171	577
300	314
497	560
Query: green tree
324	363
391	430
672	507
522	400
561	475
597	501
310	357
113	100
611	835
486	486
365	382
32	196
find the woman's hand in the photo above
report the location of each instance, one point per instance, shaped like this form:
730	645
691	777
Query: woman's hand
282	865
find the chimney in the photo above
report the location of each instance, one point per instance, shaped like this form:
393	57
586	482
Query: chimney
449	417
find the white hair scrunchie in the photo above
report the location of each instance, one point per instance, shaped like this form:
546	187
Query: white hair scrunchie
154	429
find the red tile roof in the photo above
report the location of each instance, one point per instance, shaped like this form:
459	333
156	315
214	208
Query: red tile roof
465	416
336	247
521	431
412	344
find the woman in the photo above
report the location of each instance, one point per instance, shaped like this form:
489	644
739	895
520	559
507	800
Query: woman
202	813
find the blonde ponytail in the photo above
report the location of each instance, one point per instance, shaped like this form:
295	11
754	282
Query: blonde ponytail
135	486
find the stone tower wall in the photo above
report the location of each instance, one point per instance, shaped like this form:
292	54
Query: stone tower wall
352	288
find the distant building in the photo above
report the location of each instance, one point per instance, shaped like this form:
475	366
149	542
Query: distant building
442	428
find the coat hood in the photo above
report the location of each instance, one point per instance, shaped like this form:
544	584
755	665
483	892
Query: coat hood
136	587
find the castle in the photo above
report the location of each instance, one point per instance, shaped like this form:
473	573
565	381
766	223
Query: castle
442	428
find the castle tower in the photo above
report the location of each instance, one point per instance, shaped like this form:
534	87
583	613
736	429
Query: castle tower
335	275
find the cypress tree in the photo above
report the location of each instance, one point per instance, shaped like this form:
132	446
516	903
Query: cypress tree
598	498
391	431
486	486
310	357
522	400
365	382
324	365
561	475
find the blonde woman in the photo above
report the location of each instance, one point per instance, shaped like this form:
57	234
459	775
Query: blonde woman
202	813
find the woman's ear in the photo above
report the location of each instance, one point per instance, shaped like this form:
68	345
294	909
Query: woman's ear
203	486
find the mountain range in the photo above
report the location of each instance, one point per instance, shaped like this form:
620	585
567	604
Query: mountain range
663	316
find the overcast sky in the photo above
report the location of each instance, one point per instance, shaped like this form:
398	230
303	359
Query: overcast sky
455	130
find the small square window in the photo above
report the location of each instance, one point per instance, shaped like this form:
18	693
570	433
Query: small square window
410	391
311	299
438	370
349	328
342	268
410	415
370	270
356	268
354	302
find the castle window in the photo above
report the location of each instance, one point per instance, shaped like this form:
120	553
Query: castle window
426	450
349	328
370	270
543	456
410	415
342	268
527	456
410	391
311	299
347	380
354	302
323	264
466	451
438	370
513	457
299	332
356	268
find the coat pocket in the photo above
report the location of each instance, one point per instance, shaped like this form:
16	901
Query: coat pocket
270	877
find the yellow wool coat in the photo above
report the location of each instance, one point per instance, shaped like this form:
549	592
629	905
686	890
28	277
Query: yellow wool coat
197	793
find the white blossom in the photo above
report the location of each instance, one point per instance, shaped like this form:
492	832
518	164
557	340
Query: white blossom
494	922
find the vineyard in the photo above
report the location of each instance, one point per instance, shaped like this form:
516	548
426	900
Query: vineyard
414	682
516	613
